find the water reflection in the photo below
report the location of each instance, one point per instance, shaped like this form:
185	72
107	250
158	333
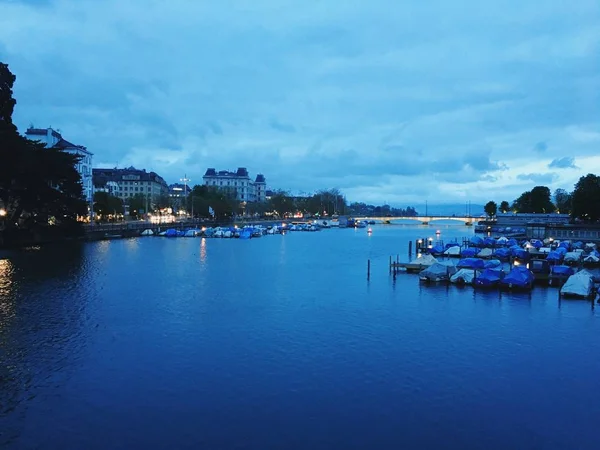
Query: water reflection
203	250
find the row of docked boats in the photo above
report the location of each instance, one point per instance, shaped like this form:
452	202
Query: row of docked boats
246	232
495	274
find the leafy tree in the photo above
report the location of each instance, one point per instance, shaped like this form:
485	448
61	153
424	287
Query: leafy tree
38	185
137	203
504	206
585	200
562	199
163	201
222	202
105	204
535	201
491	208
281	203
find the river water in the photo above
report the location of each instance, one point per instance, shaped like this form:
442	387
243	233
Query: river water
281	343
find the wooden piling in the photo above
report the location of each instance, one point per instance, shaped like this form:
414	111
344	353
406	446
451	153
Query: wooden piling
368	269
410	249
390	263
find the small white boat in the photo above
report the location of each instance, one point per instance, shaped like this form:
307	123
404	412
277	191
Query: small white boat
147	232
579	285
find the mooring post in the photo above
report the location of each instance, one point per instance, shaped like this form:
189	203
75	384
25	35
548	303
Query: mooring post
390	263
397	259
409	249
368	269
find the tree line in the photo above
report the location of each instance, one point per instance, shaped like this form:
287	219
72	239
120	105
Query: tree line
582	204
40	187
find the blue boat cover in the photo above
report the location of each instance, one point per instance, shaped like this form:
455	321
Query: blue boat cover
171	232
476	240
469	252
452	244
562	270
488	277
521	254
565	245
519	276
471	263
489	242
537	243
562	250
577	245
492	263
554	256
438	249
512	242
502	253
246	233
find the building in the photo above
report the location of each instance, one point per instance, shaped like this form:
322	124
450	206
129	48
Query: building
238	183
53	139
126	183
522	219
178	193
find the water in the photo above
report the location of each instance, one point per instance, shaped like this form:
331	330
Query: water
280	343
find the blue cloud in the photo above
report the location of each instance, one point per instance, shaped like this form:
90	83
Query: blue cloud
538	178
183	86
566	162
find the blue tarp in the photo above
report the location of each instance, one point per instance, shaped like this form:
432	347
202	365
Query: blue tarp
537	243
577	245
488	277
438	249
470	263
171	233
519	276
522	255
514	249
489	242
554	256
511	242
246	233
561	250
502	253
492	263
476	240
562	270
452	244
566	245
469	252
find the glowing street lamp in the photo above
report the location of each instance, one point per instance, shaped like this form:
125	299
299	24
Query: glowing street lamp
2	212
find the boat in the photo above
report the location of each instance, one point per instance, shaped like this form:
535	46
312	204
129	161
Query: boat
452	251
493	264
464	276
469	252
485	253
572	258
437	272
147	232
489	278
426	260
519	277
471	263
579	285
559	274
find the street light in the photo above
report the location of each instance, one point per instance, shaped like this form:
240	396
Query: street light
2	212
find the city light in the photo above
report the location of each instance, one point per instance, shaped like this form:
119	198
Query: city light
2	212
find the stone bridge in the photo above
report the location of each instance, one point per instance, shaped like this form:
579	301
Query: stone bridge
426	220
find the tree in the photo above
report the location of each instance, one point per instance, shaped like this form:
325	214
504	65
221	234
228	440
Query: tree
585	199
106	204
38	185
535	201
490	209
562	199
137	203
281	203
504	206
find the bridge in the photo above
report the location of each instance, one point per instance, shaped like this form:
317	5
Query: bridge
426	220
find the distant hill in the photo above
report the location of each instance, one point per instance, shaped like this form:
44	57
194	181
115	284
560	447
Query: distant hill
449	209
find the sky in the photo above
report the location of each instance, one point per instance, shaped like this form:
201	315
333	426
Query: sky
388	101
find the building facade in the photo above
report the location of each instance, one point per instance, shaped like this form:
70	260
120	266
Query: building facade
126	183
53	139
238	183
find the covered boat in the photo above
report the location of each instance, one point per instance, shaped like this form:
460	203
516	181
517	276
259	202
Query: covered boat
437	272
519	277
171	232
469	252
476	240
493	263
488	278
521	255
572	257
453	251
502	241
554	257
470	263
464	276
592	258
147	232
539	266
579	285
489	242
511	242
426	260
502	254
437	250
485	253
536	243
559	274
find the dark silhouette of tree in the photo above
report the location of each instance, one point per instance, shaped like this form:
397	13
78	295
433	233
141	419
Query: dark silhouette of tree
491	209
106	204
562	199
535	201
585	200
38	185
282	204
504	206
223	202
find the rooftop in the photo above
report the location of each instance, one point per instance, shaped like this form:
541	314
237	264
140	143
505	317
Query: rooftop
241	172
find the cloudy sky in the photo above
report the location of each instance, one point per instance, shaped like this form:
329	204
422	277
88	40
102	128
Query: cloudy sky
396	101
